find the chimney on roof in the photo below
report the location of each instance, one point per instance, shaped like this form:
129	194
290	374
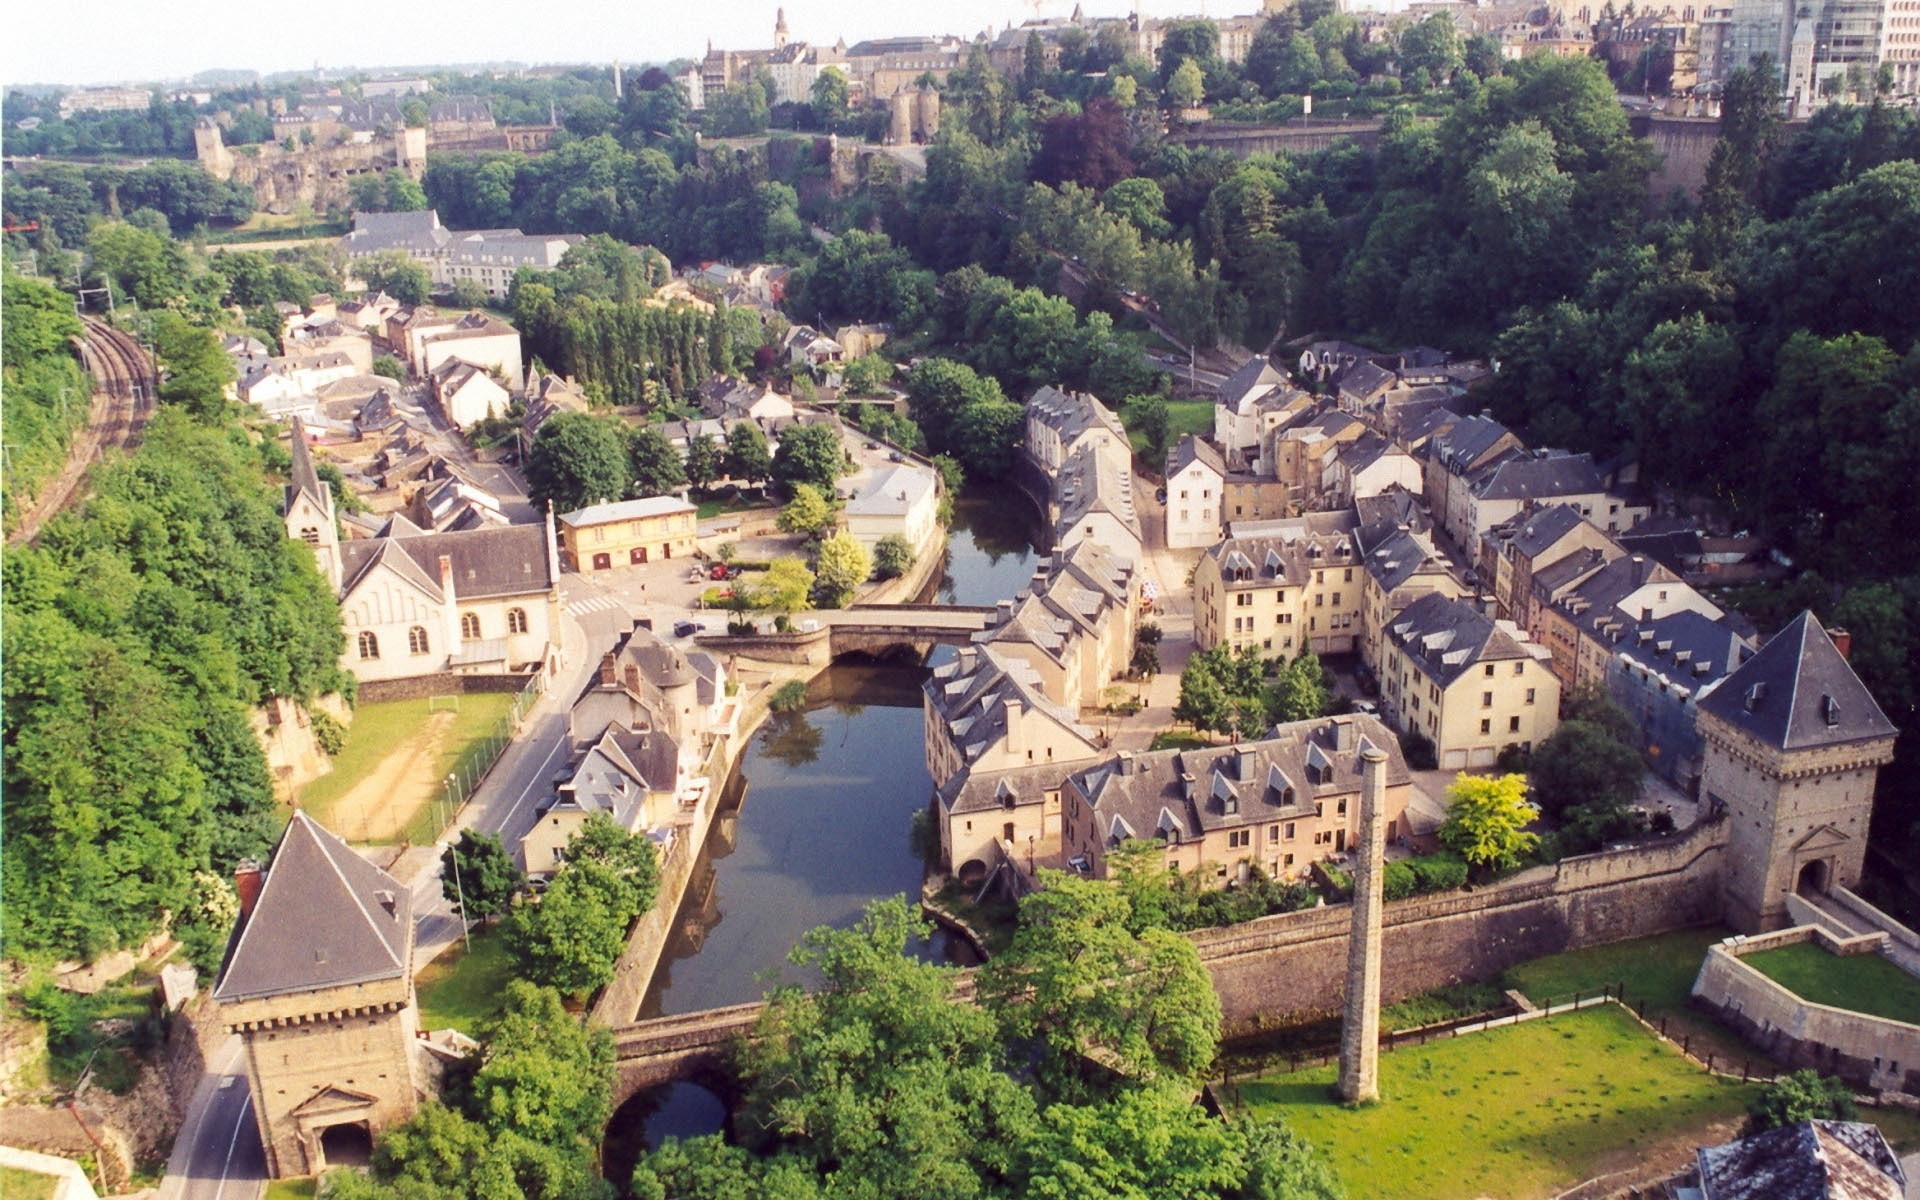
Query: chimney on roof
1126	763
1244	763
1011	706
1842	641
1343	733
387	902
608	674
247	881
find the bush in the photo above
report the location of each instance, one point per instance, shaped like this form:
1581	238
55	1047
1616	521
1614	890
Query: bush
1801	1096
892	557
1437	872
329	733
1337	880
741	627
1419	751
1398	881
1661	822
45	1002
789	697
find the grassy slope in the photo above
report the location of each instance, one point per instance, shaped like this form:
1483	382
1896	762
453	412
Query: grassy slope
463	991
1864	983
1657	971
380	729
1513	1113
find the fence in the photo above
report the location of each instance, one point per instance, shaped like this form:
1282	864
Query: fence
471	768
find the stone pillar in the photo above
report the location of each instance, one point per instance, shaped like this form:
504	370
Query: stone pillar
1360	1030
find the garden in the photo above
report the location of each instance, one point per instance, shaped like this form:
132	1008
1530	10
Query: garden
1862	983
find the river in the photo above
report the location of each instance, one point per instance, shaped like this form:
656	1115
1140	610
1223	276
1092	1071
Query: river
816	821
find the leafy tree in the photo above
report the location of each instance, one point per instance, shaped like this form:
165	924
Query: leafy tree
477	871
1486	821
705	461
1148	415
577	459
655	464
1090	148
392	272
739	111
1433	46
806	512
747	456
1583	764
786	586
1224	691
828	97
1801	1096
1302	692
843	565
1188	85
809	454
938	389
892	557
987	435
571	939
389	367
1079	987
867	375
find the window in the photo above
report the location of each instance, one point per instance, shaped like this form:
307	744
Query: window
310	536
1273	833
1488	670
1319	576
1289	830
416	640
1286	860
1319	599
469	627
1486	699
1336	599
1183	496
1347	576
1238	838
1486	726
1519	668
1529	695
516	620
369	645
1513	724
1342	809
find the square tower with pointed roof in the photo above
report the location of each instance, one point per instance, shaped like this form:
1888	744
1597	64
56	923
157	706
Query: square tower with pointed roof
1794	743
318	983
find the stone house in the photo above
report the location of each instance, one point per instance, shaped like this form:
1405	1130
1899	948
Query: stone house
466	394
1402	565
1255	389
478	338
1282	587
1658	673
900	500
985	712
1510	486
1303	450
1471	684
626	532
1073	625
633	778
1584	622
806	346
1457	451
1196	494
1511	550
1060	423
1278	804
1092	500
1366	466
318	983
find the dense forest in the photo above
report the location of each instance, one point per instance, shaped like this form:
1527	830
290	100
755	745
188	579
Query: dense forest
139	633
47	393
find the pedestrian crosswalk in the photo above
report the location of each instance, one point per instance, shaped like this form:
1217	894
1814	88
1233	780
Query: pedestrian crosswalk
591	604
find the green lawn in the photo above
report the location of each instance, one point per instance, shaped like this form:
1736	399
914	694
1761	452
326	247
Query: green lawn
16	1184
395	727
1179	739
1863	983
292	1189
1514	1113
1657	971
1183	417
463	991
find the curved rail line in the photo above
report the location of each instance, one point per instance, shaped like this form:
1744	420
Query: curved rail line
124	395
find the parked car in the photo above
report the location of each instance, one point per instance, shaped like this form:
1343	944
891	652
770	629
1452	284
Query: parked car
686	628
896	456
1366	706
718	571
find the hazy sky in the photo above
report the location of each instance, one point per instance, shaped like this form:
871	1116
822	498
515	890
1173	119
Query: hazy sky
109	40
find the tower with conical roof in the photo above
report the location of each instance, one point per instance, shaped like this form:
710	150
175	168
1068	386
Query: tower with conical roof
1794	743
308	508
779	29
318	983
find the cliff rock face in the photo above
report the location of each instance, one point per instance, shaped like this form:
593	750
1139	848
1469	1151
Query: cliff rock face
285	731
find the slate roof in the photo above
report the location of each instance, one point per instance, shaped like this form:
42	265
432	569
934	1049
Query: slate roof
1537	531
505	561
969	696
1470	439
618	772
1255	379
1540	475
891	492
1071	590
325	918
1798	693
626	510
1180	794
1379	516
1093	482
1445	637
1686	649
1195	449
1267	553
1813	1160
1400	556
1363	379
302	479
374	232
1070	414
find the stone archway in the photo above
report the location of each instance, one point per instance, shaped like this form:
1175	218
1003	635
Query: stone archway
1813	878
346	1145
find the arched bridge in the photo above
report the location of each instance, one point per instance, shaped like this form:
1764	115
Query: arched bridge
689	1046
863	629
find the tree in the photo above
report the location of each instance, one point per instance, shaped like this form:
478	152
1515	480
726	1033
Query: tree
828	97
392	272
577	459
937	390
705	461
807	512
1080	987
843	565
1804	1095
1148	415
987	435
747	456
1583	764
478	873
786	586
809	454
1188	85
1433	46
389	367
656	465
572	938
1301	694
1224	691
1486	821
892	557
867	375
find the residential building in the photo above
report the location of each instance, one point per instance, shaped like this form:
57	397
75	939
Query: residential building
861	340
1794	743
985	712
1659	671
1092	500
1511	550
1196	494
631	777
1366	466
900	500
1059	423
1402	565
1074	624
1256	389
478	338
645	683
1517	482
1456	452
473	601
1471	684
1282	587
626	532
466	393
1809	1160
807	346
1279	804
1302	450
318	983
735	399
1012	813
548	396
491	257
1582	622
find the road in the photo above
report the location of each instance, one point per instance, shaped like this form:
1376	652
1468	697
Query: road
217	1155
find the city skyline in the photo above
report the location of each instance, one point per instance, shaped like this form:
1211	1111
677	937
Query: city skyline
169	43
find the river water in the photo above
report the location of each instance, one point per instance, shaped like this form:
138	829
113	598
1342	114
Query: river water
816	820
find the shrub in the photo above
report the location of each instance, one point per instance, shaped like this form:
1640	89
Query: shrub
47	1003
1398	881
1801	1096
329	733
1419	751
1437	872
1661	822
892	557
1337	880
789	697
741	627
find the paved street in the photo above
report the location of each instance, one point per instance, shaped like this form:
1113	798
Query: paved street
217	1155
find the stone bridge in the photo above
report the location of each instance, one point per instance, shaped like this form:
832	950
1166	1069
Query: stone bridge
692	1046
874	629
1306	135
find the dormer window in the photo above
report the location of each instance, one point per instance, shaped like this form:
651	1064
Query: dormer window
1756	695
1830	709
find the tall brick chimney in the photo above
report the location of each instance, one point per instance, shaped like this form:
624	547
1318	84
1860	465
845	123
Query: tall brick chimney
1359	1081
247	881
1842	641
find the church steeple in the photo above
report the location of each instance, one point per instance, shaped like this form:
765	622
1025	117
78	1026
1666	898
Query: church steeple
779	29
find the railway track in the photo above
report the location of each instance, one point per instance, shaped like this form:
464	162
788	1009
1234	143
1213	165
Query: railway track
125	388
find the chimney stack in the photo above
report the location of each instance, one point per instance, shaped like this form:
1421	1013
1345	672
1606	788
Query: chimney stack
247	881
1359	1081
608	674
1842	641
386	901
1243	763
1011	706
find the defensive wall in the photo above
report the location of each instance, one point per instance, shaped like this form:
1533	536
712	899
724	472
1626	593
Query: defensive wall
1306	135
1867	1051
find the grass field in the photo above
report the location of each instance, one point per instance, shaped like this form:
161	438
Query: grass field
1513	1113
1657	971
16	1184
1179	739
463	991
1862	983
292	1189
394	764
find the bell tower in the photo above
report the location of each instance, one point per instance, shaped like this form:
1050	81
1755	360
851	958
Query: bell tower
779	29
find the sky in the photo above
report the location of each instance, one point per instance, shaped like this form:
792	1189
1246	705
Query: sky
136	40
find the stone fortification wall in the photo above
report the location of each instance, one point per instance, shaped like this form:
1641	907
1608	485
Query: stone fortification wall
420	687
1285	968
1866	1051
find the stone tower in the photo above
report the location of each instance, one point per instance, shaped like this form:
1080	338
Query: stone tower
318	983
210	147
308	508
779	29
1360	1030
1794	742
